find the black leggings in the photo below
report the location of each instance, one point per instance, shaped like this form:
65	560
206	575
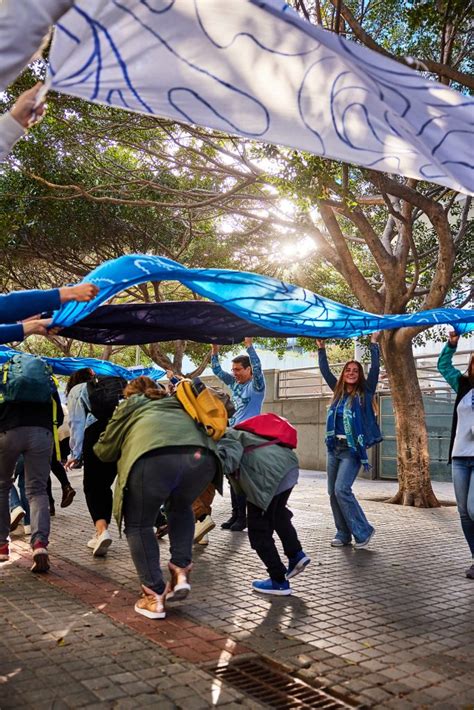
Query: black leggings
261	526
98	476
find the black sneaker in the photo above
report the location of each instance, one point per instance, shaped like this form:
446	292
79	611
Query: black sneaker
239	525
228	523
68	496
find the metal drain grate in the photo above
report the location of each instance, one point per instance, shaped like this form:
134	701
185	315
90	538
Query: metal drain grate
272	685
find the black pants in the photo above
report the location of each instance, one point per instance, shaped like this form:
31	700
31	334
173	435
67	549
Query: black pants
238	503
261	526
98	476
60	472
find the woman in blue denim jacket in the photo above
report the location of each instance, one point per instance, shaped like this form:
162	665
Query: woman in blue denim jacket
351	429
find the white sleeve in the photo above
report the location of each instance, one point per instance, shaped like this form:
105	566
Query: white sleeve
23	25
10	132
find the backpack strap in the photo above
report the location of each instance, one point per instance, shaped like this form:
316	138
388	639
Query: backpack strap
5	367
55	421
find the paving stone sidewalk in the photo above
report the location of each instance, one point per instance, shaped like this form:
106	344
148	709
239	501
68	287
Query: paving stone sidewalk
391	626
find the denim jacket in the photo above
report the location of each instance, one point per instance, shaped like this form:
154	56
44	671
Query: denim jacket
79	417
372	433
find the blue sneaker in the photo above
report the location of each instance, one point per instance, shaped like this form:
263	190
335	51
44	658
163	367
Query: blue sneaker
269	586
297	564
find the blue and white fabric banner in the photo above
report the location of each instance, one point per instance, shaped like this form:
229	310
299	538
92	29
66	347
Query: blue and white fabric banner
273	304
254	68
68	365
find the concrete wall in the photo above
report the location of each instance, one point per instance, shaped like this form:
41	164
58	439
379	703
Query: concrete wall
308	415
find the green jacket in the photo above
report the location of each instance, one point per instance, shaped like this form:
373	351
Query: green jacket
140	425
260	470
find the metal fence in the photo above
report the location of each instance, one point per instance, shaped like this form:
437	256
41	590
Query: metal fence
307	382
438	400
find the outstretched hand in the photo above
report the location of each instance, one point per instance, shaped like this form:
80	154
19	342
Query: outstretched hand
214	349
320	343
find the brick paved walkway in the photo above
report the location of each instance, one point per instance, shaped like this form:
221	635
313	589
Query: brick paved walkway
388	627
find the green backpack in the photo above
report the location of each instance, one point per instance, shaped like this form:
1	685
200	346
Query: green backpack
26	378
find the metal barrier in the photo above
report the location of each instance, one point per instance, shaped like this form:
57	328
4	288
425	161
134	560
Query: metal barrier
307	382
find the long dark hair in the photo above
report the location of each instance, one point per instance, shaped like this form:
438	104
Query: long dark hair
340	388
85	374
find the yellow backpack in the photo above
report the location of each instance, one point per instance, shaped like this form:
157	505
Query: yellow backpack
206	408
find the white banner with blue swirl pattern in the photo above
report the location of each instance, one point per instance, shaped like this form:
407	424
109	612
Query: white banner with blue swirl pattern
256	69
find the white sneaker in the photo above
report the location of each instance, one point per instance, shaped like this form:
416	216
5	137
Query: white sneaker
92	542
204	540
102	544
364	543
16	516
27	529
202	527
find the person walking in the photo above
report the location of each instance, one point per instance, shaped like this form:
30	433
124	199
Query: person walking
267	474
351	429
247	386
85	429
461	446
153	470
26	427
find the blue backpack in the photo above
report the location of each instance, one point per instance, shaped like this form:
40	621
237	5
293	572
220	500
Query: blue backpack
26	378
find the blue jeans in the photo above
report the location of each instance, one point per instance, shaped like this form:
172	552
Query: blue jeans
463	480
175	476
342	468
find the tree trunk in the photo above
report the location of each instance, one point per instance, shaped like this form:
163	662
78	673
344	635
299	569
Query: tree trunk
412	439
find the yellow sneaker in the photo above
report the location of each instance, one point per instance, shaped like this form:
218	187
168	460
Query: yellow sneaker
151	604
178	587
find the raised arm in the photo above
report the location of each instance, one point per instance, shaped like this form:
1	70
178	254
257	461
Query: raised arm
374	370
22	304
328	376
18	305
445	362
258	378
225	377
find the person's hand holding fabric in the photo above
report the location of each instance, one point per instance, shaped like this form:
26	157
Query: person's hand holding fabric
25	110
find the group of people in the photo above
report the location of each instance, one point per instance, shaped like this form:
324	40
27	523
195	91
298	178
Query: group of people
161	487
131	447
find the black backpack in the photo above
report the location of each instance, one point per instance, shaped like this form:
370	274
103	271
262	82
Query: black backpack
104	395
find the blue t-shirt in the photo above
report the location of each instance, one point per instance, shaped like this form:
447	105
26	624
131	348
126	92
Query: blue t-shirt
248	397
